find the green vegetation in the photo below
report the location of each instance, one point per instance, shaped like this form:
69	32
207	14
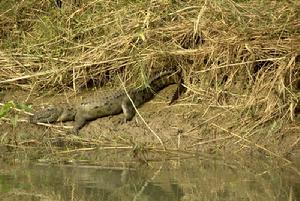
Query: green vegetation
240	59
8	106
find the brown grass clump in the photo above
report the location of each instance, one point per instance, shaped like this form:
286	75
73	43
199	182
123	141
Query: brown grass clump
241	59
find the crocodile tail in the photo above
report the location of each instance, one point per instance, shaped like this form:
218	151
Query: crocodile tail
180	88
168	77
163	73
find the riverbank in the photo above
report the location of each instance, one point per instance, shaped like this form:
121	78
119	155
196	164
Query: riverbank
240	64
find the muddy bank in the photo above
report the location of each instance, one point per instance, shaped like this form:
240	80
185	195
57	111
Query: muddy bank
183	127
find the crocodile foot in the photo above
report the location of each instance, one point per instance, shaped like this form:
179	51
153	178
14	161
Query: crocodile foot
119	121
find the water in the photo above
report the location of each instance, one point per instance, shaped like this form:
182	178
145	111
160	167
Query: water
189	179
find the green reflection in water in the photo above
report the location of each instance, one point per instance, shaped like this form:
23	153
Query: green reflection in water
191	179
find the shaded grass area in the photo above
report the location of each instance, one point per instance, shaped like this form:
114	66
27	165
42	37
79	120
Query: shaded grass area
240	59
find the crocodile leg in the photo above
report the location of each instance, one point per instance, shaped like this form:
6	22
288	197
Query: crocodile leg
127	109
78	124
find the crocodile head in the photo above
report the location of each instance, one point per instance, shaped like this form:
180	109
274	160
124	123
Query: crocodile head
47	115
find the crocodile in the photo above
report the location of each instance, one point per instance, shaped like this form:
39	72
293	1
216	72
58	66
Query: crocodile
110	104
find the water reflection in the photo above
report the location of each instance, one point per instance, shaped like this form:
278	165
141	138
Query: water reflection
189	180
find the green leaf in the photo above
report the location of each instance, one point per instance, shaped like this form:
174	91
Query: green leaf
6	108
24	107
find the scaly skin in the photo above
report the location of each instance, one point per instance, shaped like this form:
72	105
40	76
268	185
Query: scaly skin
112	104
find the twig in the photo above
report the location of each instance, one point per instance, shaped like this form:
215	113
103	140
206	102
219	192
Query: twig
209	141
151	130
93	148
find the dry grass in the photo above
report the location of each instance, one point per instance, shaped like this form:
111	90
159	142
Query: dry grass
241	57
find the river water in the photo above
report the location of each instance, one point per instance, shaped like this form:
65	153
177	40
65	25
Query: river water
191	179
